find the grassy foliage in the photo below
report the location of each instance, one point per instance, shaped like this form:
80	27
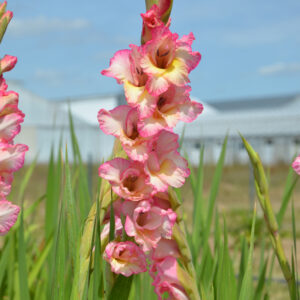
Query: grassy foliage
41	256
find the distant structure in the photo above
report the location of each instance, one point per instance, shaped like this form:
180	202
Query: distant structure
271	125
47	124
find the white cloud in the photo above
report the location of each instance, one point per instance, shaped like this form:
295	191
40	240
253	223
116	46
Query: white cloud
40	25
279	68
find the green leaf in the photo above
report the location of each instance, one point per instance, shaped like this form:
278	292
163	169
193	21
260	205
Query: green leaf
226	287
70	210
24	291
198	218
246	292
121	288
111	221
214	191
261	282
39	263
288	190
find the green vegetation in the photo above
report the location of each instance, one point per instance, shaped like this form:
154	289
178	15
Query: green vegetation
235	250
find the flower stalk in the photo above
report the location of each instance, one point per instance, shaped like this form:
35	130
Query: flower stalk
262	191
148	231
11	155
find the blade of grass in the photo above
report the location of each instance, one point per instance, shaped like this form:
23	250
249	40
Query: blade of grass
214	192
291	182
97	259
246	292
198	218
22	268
70	209
39	264
57	291
295	258
261	282
121	288
226	287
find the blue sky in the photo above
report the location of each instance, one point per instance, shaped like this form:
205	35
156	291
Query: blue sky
249	48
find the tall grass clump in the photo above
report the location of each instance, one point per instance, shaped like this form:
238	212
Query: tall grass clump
42	256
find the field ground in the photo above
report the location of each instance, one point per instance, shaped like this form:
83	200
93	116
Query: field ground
232	201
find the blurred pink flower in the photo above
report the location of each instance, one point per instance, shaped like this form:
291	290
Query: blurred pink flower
12	157
7	63
9	102
148	223
5	184
125	258
8	216
296	165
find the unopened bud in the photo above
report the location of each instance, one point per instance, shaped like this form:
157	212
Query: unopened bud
7	63
2	8
4	21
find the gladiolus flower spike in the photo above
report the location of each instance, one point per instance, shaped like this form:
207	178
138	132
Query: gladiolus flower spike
155	78
11	155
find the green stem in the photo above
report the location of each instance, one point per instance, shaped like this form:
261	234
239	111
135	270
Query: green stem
262	191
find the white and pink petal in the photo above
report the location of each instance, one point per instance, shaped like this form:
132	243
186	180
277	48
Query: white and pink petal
12	157
8	216
119	67
10	126
113	122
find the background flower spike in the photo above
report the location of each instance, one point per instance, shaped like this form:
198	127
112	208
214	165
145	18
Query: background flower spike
5	18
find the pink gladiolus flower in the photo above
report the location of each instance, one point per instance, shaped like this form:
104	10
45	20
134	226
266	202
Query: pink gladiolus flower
167	60
165	166
172	106
127	179
166	280
165	247
296	165
7	63
8	216
12	157
5	185
118	229
148	223
125	258
151	20
8	102
3	85
10	126
121	122
125	68
117	206
162	200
